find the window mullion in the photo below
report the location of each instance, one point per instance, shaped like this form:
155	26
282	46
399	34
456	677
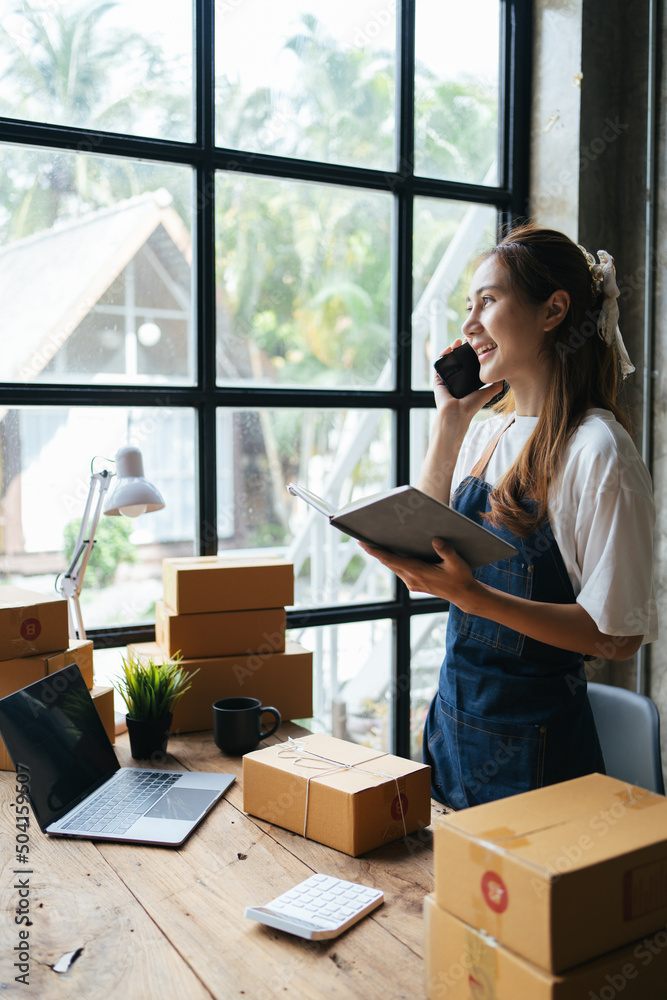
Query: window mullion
402	332
204	215
515	92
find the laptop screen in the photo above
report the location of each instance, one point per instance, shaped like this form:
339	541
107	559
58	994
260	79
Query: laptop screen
54	735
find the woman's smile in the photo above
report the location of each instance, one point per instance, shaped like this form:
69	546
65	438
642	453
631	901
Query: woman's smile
483	350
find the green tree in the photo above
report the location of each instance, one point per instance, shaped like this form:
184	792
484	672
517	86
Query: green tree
457	127
112	547
60	67
61	64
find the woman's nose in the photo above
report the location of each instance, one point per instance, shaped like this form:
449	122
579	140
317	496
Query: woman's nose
469	324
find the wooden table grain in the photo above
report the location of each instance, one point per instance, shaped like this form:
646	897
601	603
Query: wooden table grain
143	922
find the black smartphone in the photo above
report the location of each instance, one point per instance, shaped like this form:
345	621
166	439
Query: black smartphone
459	370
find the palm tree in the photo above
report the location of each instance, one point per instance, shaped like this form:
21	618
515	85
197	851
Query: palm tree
63	68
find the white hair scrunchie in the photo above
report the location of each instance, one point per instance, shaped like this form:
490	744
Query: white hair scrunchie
603	275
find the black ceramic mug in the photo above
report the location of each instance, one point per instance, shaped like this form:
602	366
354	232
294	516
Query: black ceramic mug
237	724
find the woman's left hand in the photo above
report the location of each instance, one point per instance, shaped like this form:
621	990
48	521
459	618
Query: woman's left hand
449	579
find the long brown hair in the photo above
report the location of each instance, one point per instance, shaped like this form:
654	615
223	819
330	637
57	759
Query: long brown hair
584	370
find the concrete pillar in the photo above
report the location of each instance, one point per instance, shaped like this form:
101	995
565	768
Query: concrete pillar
589	169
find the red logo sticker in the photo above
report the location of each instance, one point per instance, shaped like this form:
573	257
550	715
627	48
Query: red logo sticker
494	891
399	806
480	987
30	628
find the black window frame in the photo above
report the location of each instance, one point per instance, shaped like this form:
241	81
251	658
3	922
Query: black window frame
510	198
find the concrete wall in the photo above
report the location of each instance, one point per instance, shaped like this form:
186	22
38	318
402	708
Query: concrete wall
554	173
589	178
658	667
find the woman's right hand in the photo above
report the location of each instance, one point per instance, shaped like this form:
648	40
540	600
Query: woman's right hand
463	409
448	431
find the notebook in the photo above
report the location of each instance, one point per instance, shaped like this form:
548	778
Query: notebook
405	521
75	784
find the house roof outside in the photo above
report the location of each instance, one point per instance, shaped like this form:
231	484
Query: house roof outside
51	280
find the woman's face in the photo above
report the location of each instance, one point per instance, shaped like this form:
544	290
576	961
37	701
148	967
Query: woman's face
506	332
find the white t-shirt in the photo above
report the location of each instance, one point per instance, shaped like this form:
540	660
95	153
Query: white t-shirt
601	513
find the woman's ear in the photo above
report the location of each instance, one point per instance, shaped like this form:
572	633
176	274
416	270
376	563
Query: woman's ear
557	305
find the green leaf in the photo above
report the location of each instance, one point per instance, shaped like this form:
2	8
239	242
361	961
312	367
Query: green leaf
151	689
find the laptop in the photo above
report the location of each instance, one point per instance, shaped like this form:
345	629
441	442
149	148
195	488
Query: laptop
75	784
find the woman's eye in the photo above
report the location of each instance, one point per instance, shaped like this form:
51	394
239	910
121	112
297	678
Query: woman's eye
486	299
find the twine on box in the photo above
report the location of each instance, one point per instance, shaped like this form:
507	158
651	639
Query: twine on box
309	759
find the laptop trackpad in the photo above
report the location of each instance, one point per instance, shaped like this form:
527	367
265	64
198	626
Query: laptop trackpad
182	803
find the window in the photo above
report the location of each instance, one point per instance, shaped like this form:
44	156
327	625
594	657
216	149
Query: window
245	261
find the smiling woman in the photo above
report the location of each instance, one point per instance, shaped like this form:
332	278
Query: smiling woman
556	474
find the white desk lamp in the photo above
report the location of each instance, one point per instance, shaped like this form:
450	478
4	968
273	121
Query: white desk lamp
132	495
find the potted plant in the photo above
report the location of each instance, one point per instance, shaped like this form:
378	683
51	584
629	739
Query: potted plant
150	690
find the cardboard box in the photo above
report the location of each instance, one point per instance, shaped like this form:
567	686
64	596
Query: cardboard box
559	874
337	793
80	651
21	671
18	673
461	963
284	680
219	633
201	584
31	623
103	700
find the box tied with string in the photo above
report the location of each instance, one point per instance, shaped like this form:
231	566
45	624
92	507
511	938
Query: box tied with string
349	797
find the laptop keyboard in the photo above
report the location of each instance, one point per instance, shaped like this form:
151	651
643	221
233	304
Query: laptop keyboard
117	807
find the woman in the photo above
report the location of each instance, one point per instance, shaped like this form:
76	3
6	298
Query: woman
555	473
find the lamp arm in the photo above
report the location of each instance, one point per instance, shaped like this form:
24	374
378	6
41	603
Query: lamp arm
71	582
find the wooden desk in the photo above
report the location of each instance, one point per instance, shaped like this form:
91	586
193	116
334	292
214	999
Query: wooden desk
156	923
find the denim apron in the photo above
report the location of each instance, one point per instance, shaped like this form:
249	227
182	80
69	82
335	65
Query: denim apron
511	713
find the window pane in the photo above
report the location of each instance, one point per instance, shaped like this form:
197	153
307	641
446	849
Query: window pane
456	90
338	455
447	237
315	81
427	649
118	67
304	284
46	458
420	429
95	279
352	673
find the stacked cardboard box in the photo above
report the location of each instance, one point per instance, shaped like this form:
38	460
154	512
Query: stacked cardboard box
557	894
226	617
34	642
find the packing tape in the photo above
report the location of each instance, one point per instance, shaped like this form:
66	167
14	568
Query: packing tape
483	972
307	758
638	798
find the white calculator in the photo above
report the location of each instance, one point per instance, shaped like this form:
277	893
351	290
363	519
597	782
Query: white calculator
320	907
